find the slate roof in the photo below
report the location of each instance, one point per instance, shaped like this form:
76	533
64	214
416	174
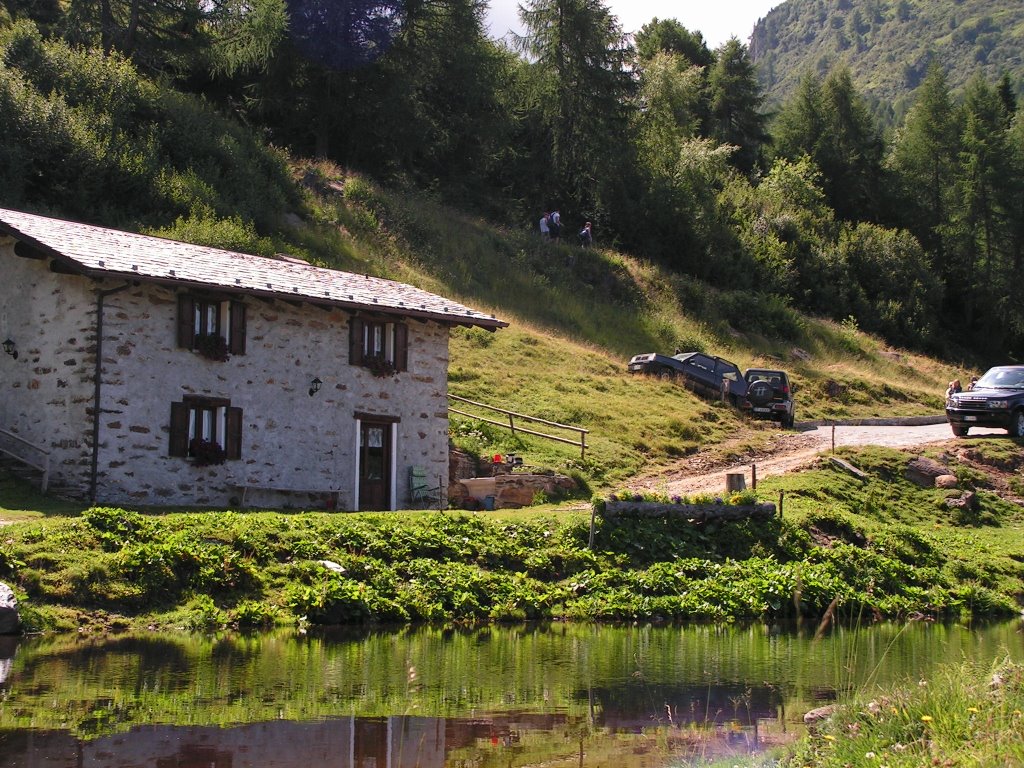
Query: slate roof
100	252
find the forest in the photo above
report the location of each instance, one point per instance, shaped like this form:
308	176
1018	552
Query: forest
183	117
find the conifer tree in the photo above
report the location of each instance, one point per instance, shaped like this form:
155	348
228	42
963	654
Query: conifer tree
736	105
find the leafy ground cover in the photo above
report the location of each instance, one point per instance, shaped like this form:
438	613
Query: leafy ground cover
845	549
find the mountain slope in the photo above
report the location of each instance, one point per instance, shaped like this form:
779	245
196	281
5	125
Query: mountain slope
888	44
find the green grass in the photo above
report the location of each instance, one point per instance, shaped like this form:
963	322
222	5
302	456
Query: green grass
965	716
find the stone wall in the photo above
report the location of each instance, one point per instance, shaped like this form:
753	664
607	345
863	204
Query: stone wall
46	395
289	438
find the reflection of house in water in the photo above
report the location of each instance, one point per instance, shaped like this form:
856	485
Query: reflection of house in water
392	742
632	706
385	742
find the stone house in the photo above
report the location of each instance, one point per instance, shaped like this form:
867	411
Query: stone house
148	371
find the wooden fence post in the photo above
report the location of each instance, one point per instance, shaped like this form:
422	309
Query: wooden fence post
782	495
753	477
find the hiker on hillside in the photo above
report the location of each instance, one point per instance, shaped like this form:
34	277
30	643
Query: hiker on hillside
586	236
555	224
545	230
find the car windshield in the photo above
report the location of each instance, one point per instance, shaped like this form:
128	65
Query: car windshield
1002	378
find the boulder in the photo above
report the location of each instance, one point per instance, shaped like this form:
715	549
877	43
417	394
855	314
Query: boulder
946	481
816	716
922	471
10	620
518	489
967	501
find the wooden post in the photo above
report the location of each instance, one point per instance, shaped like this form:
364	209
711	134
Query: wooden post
782	495
753	477
593	513
511	424
735	482
833	438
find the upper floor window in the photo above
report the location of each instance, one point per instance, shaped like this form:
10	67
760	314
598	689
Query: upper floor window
211	325
380	345
205	429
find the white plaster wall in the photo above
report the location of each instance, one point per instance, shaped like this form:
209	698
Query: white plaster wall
46	394
289	439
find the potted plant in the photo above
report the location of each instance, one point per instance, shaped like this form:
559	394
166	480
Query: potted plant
212	346
380	366
206	453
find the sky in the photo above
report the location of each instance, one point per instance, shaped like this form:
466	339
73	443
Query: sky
717	20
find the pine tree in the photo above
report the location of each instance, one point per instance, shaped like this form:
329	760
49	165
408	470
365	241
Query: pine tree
581	92
736	103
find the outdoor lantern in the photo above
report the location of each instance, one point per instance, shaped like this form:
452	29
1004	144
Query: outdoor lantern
314	386
11	349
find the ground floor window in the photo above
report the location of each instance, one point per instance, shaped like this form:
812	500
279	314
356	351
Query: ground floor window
207	430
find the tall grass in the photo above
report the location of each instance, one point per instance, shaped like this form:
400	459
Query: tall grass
965	716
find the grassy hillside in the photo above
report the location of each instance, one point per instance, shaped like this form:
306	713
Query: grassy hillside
577	315
888	44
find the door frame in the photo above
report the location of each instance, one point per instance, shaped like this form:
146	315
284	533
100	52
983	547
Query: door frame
392	481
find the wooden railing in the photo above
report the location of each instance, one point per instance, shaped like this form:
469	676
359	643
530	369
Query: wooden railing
27	453
581	441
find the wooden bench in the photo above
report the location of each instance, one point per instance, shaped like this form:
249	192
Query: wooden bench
332	494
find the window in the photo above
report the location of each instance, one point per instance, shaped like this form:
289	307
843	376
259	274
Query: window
206	429
381	345
212	325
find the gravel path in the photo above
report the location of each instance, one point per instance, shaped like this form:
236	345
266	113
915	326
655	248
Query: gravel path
794	451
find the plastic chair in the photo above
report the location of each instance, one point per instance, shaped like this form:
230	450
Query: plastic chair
420	489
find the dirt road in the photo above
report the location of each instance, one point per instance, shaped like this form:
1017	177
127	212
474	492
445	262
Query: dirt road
793	451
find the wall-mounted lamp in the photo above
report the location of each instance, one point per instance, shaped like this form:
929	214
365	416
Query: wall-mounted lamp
10	348
314	386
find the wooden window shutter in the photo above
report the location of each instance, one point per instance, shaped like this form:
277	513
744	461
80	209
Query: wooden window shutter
355	341
179	429
401	347
233	434
186	321
237	310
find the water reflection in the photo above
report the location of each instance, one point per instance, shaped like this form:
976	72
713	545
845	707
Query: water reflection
574	695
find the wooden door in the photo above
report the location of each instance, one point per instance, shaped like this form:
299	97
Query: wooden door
374	465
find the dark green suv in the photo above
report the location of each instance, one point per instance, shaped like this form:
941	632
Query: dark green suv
769	396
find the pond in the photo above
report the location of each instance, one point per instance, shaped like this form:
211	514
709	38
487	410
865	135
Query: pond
558	695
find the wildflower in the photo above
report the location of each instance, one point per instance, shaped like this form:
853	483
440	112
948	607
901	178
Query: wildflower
874	708
869	755
973	709
829	737
926	718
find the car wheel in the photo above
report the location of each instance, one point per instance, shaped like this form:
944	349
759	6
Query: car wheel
1017	428
787	421
760	392
959	431
666	374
